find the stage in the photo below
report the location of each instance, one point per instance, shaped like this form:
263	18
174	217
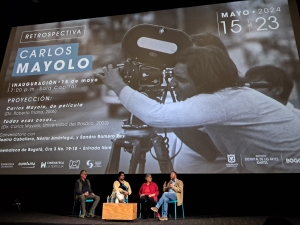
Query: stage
34	218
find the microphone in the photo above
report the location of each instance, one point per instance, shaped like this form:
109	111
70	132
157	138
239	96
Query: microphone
258	84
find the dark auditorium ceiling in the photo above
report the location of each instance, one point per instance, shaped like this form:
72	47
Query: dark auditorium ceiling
26	12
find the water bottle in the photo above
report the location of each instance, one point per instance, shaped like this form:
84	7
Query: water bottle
107	198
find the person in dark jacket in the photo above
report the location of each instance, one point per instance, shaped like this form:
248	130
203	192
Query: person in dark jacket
83	190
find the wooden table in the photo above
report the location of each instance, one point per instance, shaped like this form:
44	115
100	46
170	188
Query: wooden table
119	211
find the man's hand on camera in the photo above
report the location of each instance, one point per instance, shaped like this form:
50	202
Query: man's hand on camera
112	79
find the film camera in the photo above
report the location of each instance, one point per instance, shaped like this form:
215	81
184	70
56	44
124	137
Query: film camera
151	52
151	55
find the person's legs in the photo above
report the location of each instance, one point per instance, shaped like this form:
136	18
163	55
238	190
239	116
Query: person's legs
150	203
144	210
168	196
95	203
161	200
82	202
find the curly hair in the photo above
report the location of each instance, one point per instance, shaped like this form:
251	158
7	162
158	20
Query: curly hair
205	39
270	73
210	68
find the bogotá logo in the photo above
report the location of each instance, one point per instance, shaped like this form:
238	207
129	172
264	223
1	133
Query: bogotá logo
292	160
231	158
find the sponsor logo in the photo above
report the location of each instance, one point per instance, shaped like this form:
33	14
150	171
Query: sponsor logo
262	159
292	160
74	164
90	164
7	165
231	161
98	164
53	164
29	165
231	158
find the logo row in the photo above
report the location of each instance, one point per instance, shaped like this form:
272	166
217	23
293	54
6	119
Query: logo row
73	164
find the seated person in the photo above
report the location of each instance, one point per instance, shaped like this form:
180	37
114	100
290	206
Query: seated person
172	191
83	191
282	85
121	189
148	195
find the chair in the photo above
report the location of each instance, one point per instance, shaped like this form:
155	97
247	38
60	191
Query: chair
87	207
175	206
154	216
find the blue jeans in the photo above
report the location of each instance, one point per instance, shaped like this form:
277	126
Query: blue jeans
167	196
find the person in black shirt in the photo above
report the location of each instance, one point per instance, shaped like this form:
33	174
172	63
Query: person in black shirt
83	191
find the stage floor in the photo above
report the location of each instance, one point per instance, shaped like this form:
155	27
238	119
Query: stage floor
34	218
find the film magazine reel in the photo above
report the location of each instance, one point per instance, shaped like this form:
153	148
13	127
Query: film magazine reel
151	52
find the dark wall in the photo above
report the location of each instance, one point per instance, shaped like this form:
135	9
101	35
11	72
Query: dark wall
231	194
204	195
26	12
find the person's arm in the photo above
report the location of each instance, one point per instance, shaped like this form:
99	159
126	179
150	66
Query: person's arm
166	187
198	141
156	192
129	189
179	187
141	190
116	186
91	190
198	110
77	188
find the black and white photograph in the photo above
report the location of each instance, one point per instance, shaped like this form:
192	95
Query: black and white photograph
198	90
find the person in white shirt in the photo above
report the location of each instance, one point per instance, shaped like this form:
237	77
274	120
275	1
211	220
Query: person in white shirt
245	126
282	84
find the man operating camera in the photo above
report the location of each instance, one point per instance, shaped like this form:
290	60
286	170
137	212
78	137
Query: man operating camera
242	123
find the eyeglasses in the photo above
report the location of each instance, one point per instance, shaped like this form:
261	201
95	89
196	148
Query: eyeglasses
84	174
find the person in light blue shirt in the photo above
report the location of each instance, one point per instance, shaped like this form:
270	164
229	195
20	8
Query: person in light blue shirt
172	191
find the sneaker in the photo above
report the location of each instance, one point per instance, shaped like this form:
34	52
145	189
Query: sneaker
154	209
82	216
163	218
91	215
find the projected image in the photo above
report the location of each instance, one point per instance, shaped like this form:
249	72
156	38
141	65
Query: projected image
206	89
